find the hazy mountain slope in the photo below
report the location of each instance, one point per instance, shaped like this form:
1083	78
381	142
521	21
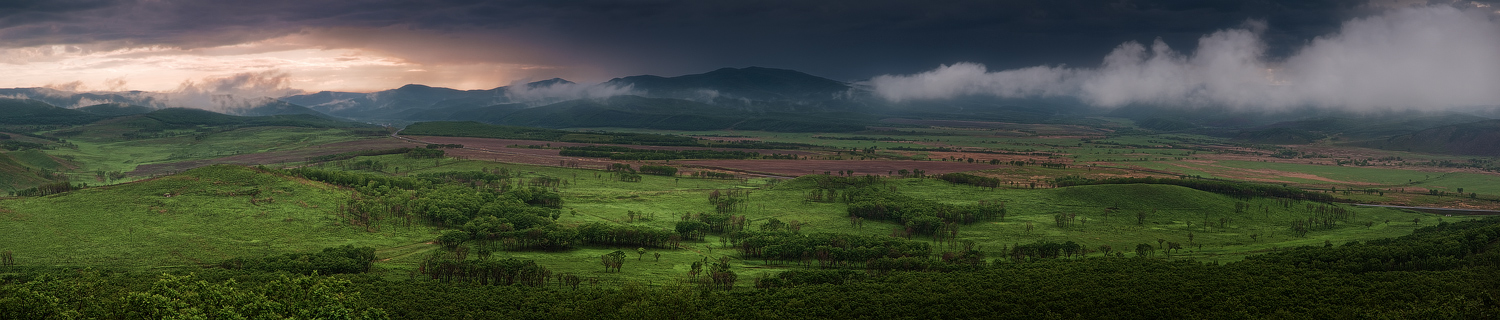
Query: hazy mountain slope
1352	127
490	113
754	83
114	109
22	112
386	104
1472	139
271	107
193	117
670	114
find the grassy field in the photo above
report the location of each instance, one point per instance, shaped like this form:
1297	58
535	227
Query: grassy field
1172	214
125	155
201	216
208	217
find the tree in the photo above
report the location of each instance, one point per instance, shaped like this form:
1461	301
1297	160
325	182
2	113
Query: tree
290	297
613	260
658	256
722	276
1144	250
1105	249
640	253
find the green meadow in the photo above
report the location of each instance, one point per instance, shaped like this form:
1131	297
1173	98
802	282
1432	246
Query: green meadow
1206	224
199	217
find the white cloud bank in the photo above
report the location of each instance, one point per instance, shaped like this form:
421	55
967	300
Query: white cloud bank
535	95
1424	58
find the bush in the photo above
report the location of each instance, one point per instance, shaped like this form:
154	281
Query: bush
659	170
345	259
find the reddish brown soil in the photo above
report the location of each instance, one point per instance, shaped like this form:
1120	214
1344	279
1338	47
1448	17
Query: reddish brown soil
1040	129
861	167
274	156
986	157
543	157
497	144
727	138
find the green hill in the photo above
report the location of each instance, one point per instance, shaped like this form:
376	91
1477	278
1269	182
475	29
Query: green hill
194	117
1143	197
114	109
480	130
1280	136
670	114
16	175
273	107
201	216
1166	124
624	111
489	113
1471	139
754	83
33	112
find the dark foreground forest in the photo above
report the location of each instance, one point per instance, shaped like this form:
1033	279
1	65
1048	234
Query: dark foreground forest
1442	272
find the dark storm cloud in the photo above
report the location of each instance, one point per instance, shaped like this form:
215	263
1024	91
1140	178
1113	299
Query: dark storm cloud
844	39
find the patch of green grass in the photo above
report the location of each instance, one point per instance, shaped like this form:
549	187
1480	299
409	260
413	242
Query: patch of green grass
37	159
199	217
136	225
15	175
1484	184
125	155
1171	213
1341	173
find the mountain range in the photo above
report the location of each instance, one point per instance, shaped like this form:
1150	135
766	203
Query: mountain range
751	98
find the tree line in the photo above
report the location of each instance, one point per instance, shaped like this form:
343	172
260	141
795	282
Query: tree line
624	153
1244	190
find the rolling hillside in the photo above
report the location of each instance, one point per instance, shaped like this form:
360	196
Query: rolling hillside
115	109
754	83
201	216
34	112
1471	139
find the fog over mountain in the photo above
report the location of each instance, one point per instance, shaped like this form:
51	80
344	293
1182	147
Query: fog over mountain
1434	57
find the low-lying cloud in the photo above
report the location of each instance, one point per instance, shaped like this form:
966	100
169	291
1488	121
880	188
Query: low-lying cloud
1418	58
231	93
557	91
228	94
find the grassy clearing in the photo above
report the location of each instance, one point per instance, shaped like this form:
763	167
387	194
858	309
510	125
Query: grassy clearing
208	217
1172	213
1483	184
1341	173
14	174
125	155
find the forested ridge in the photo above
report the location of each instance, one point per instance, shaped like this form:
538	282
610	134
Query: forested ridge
1321	282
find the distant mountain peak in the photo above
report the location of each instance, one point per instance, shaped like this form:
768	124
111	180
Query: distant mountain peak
547	83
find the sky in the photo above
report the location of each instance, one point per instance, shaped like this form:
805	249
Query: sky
904	49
